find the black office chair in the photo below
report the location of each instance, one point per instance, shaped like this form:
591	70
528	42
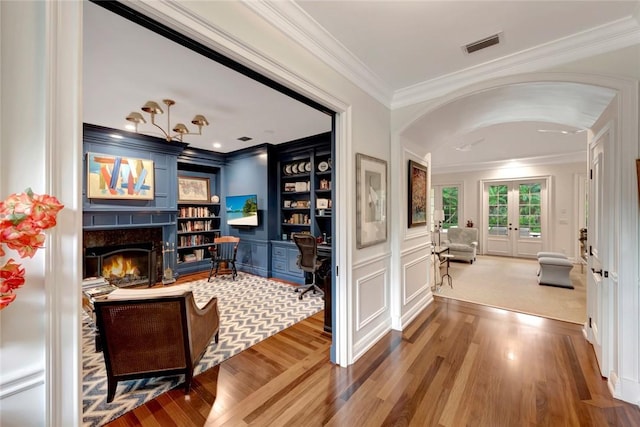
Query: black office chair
308	261
224	251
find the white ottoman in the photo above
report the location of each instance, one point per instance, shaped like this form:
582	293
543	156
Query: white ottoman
551	255
555	272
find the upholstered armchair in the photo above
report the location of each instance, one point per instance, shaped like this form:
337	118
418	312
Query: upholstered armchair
153	332
462	243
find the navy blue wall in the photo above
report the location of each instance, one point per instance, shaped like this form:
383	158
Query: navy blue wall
247	172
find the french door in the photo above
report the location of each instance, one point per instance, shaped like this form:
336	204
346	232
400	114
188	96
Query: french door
514	217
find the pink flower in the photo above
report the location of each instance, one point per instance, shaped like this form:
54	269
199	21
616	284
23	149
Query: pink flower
11	277
5	300
23	217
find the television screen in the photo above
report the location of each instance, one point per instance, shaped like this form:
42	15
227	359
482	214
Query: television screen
242	210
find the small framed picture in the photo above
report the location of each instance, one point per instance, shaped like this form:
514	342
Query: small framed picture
322	203
193	189
287	203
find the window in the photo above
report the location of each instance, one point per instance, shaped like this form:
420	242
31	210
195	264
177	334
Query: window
529	210
447	198
498	209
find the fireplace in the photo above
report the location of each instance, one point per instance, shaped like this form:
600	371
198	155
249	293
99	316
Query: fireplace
124	257
122	266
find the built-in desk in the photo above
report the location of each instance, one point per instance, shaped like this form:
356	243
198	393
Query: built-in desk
284	256
324	251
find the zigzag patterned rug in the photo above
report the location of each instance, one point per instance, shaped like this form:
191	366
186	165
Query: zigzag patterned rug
251	308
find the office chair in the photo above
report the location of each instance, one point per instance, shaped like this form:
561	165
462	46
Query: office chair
308	261
224	251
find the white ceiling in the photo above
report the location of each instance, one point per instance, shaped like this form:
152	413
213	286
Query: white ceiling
126	65
399	51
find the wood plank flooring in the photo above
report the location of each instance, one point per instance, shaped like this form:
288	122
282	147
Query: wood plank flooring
456	364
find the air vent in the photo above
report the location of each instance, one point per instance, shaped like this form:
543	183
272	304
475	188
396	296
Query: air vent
482	44
245	138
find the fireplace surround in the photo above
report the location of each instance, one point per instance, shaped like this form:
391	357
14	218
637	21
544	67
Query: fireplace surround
124	257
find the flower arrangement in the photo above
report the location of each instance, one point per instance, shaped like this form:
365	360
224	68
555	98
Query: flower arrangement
23	217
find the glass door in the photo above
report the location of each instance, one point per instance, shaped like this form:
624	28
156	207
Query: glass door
514	217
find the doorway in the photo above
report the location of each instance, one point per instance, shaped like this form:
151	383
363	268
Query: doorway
514	215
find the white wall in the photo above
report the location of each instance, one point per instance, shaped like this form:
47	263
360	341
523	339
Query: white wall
563	221
22	329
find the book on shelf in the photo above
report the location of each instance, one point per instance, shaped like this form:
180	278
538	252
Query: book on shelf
189	257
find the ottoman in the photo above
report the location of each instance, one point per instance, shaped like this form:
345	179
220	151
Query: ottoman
555	272
549	255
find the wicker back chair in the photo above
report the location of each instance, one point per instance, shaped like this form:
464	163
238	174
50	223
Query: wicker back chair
148	335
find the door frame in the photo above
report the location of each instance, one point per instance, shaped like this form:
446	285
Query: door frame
545	207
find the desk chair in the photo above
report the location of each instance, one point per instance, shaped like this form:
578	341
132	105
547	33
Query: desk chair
308	261
224	251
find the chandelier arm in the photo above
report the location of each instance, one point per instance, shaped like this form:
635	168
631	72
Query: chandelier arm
153	122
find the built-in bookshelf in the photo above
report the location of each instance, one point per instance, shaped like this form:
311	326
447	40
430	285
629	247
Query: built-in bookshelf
306	199
198	224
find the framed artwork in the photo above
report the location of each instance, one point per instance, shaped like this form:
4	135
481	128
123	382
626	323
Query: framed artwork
417	194
117	177
193	189
638	176
371	201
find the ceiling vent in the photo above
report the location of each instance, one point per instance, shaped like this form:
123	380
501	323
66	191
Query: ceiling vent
245	138
482	44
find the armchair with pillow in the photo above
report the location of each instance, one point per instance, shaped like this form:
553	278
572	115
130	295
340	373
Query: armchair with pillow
462	243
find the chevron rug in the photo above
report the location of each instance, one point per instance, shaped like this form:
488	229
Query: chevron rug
251	308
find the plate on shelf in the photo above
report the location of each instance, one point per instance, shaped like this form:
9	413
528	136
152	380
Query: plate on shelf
302	167
323	166
294	168
307	166
287	169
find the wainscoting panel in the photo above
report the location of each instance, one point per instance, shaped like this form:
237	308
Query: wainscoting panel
416	276
371	298
371	311
415	279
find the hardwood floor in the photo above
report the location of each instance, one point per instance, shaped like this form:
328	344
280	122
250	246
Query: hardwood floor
456	364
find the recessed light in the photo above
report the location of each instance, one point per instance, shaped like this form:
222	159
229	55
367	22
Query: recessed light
130	127
217	145
115	136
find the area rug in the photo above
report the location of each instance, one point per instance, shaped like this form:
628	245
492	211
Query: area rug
512	284
251	308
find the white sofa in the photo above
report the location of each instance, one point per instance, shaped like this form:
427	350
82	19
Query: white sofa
462	243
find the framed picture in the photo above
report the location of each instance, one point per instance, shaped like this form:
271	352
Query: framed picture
371	201
638	176
417	194
193	189
118	177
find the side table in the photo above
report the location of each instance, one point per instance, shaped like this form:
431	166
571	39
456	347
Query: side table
443	257
89	296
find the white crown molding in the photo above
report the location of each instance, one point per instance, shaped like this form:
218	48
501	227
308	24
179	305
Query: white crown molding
616	35
191	24
565	158
296	24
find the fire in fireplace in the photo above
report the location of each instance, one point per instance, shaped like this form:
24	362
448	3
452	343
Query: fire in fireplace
122	266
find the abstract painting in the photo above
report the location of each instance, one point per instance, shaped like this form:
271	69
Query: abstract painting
119	177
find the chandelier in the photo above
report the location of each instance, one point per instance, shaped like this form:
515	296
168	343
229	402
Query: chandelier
180	129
